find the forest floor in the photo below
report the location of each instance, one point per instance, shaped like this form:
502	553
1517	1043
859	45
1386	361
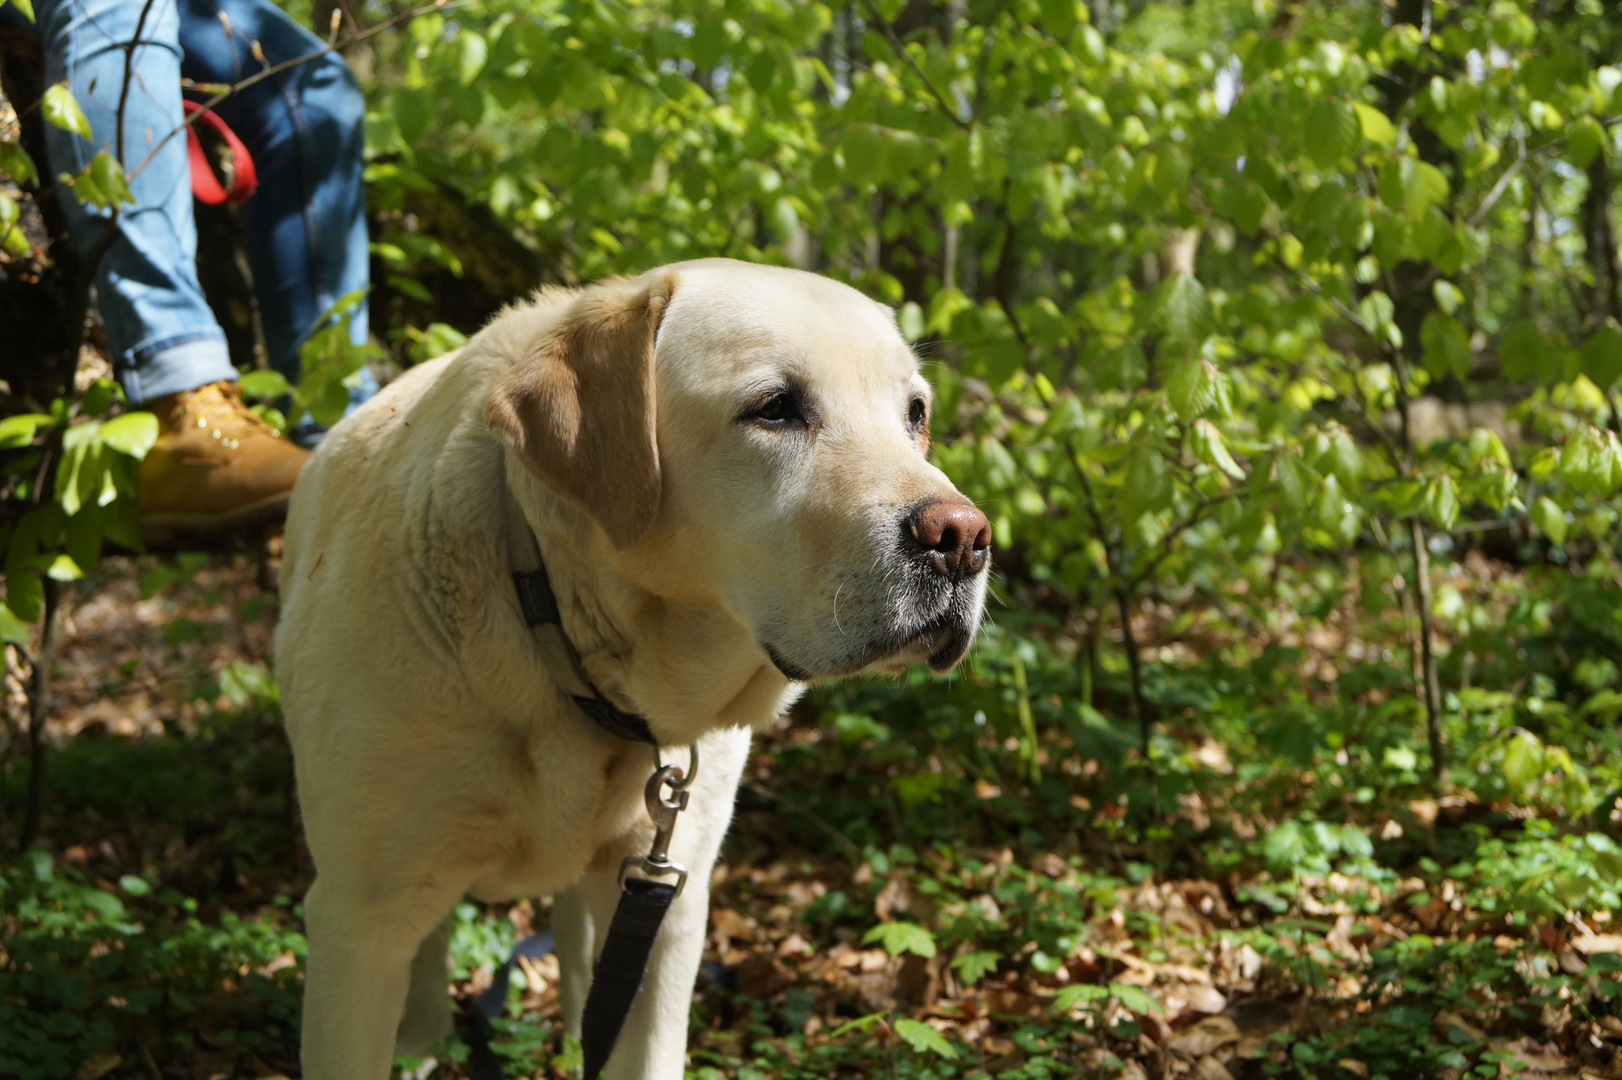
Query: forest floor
1031	933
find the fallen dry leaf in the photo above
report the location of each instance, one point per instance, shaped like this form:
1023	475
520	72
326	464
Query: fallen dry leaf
1447	1022
1199	1040
1194	998
1598	943
98	1065
1528	1055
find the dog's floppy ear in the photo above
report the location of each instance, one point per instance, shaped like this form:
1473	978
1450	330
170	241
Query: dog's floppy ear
579	411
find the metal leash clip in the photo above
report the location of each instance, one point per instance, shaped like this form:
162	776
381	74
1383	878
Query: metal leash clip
663	811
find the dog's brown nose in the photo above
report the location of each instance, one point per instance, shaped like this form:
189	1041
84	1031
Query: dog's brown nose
955	536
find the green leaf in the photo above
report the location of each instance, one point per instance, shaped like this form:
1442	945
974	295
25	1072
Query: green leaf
1135	999
910	318
413	110
923	1038
13	240
863	150
1549	519
1186	311
471	53
1192	388
84	188
1601	356
1448	297
63	568
15	162
135	886
1210	448
1523	760
1069	997
1376	310
63	111
1584	463
79	443
1442	499
99	397
1486	445
19	430
972	966
1295	478
132	434
1059	17
264	385
26	7
1146	483
1400	758
1375	125
12	629
1334	512
1446	345
1583	141
902	937
1412	185
109	179
1344	459
25	595
1331	132
1524	353
861	1023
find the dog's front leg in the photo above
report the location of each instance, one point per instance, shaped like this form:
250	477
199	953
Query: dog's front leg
653	1043
357	972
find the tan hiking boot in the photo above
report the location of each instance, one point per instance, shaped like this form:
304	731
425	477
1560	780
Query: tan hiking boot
215	465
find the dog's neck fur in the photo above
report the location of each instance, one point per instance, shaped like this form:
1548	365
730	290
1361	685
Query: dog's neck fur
688	671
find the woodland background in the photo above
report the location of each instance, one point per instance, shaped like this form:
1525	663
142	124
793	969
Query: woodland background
1281	343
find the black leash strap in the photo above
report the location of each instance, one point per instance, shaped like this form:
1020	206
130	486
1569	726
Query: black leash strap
623	963
621	966
618	975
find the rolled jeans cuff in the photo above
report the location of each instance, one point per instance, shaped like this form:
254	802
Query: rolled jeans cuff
177	364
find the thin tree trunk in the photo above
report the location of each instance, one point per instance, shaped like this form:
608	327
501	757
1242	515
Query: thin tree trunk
1604	261
1119	587
1134	663
1430	688
1085	654
39	684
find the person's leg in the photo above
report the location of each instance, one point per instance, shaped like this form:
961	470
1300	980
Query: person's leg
215	464
305	128
160	332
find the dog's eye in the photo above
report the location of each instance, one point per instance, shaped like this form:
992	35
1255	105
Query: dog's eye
917	414
780	409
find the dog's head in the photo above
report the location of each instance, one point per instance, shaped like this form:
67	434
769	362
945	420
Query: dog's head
755	439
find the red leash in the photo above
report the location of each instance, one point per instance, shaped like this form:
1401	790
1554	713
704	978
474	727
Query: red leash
204	185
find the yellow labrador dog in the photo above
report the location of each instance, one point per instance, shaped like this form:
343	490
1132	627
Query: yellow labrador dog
725	469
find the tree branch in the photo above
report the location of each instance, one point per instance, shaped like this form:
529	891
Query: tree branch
901	50
129	77
1120	587
1196	516
276	69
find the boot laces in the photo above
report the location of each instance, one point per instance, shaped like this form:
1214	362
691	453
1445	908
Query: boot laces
219	410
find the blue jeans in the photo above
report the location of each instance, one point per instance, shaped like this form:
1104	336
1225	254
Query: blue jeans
306	223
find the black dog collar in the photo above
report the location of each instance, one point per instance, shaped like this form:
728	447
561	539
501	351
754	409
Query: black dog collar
540	607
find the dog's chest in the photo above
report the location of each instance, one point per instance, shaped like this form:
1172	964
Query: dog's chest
571	815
